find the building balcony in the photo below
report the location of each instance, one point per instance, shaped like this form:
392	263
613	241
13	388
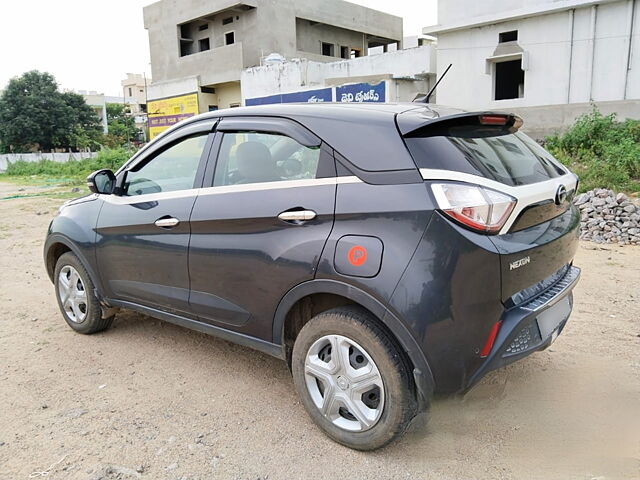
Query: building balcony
218	65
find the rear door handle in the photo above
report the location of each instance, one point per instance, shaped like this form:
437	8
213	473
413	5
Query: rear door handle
167	222
297	216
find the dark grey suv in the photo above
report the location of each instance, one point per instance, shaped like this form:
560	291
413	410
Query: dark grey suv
386	252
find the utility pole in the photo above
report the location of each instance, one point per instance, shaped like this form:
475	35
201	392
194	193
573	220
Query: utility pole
146	107
124	114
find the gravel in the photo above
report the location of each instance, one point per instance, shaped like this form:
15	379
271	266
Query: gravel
607	217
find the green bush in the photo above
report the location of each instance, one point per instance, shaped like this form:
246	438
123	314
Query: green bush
604	152
73	169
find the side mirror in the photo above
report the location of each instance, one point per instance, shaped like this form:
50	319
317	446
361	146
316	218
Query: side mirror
102	181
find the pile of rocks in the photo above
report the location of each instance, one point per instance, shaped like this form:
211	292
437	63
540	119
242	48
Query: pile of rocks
608	218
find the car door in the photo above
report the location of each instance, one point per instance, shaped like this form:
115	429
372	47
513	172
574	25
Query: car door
143	232
261	225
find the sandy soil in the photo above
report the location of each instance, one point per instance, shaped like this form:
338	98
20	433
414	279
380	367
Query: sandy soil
151	400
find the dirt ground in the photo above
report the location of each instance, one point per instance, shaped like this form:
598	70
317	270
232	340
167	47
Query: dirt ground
151	400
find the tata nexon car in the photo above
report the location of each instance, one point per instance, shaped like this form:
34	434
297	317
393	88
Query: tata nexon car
385	252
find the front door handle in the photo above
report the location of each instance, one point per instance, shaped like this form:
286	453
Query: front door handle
167	222
297	216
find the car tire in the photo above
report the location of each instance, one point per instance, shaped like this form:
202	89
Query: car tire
76	298
339	392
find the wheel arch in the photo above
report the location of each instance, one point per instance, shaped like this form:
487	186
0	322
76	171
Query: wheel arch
56	246
351	295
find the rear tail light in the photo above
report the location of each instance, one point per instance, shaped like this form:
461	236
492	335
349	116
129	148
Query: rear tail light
493	119
475	207
501	120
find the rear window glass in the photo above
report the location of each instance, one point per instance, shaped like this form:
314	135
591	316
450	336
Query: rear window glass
512	159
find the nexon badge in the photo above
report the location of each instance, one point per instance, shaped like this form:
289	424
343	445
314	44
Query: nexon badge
519	263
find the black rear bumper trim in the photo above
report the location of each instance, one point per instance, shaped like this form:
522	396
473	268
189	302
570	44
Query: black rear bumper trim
518	318
554	293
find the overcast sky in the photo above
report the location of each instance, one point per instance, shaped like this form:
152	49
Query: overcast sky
91	44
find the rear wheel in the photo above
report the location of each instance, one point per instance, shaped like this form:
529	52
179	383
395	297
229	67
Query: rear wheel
352	380
76	299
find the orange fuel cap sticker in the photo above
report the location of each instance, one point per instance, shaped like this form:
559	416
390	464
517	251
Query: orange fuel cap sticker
357	255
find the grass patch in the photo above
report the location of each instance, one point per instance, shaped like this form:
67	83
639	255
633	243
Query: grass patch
58	180
73	172
603	151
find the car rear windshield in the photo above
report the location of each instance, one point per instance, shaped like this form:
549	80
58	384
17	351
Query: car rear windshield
512	159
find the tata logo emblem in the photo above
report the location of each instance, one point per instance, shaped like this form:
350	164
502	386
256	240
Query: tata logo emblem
561	195
519	263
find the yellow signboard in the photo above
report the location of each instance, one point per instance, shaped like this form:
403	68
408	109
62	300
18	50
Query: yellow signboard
167	112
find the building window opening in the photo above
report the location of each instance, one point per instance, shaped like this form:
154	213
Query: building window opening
185	47
227	21
511	36
203	27
229	38
344	52
355	53
327	49
509	80
204	44
186	40
130	92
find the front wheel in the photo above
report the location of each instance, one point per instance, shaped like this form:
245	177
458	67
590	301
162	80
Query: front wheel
76	298
352	379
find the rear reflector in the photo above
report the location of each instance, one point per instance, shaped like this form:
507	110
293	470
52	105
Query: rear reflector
493	119
488	345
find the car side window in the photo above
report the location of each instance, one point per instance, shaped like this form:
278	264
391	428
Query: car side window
173	169
254	157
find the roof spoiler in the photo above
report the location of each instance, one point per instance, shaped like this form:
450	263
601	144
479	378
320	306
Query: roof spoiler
468	124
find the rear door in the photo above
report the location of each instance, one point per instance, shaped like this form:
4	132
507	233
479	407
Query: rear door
261	225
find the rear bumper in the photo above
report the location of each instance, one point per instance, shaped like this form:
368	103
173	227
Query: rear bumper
530	327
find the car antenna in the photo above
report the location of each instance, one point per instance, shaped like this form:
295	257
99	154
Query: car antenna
426	99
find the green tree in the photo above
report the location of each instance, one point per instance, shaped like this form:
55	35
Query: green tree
122	125
86	131
34	113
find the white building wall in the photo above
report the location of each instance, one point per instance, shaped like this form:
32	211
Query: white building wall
159	90
451	11
557	70
581	56
610	54
302	74
633	74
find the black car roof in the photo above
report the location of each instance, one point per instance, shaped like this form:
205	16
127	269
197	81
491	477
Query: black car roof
366	134
415	113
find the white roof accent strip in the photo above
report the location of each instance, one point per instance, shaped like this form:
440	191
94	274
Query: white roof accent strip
249	187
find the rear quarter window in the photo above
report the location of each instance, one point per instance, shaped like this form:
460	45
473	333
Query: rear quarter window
512	159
